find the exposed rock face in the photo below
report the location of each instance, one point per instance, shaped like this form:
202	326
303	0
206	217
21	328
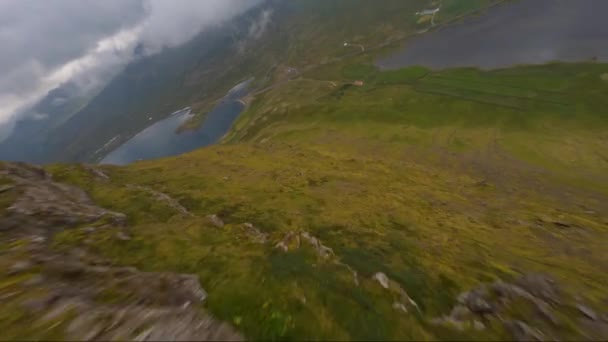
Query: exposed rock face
87	295
294	240
44	204
255	233
382	279
155	306
291	241
216	220
322	250
535	296
403	300
169	201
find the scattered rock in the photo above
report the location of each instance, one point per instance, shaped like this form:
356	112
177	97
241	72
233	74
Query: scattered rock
38	304
479	326
20	267
255	233
400	307
122	236
88	229
474	301
6	187
382	279
216	221
541	286
162	197
587	312
479	305
559	222
522	332
34	281
38	239
351	270
282	246
545	310
482	183
60	308
291	241
460	313
322	250
9	295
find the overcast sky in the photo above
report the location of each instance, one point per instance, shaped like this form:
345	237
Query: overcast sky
44	43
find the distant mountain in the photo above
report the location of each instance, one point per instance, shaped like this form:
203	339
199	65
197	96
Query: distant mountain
28	139
154	86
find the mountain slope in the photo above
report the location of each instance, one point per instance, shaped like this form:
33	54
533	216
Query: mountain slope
411	205
430	210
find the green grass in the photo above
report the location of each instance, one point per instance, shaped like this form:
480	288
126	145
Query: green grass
538	114
440	179
382	204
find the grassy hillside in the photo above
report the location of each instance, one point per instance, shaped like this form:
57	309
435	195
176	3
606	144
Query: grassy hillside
441	181
419	205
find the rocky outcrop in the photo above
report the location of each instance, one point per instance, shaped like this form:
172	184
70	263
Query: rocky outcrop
402	299
255	234
290	241
137	323
293	240
162	197
322	250
85	295
215	220
146	305
535	296
43	204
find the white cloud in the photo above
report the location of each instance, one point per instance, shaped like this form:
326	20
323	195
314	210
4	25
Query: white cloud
46	43
258	27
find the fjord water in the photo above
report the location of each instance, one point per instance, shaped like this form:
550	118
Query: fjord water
519	32
162	140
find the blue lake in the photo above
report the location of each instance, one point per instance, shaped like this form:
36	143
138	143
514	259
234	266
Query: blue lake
518	32
162	140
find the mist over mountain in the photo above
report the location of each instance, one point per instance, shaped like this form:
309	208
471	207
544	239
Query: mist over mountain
103	38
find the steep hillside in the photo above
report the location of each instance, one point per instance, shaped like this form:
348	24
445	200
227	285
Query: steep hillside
347	203
422	205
